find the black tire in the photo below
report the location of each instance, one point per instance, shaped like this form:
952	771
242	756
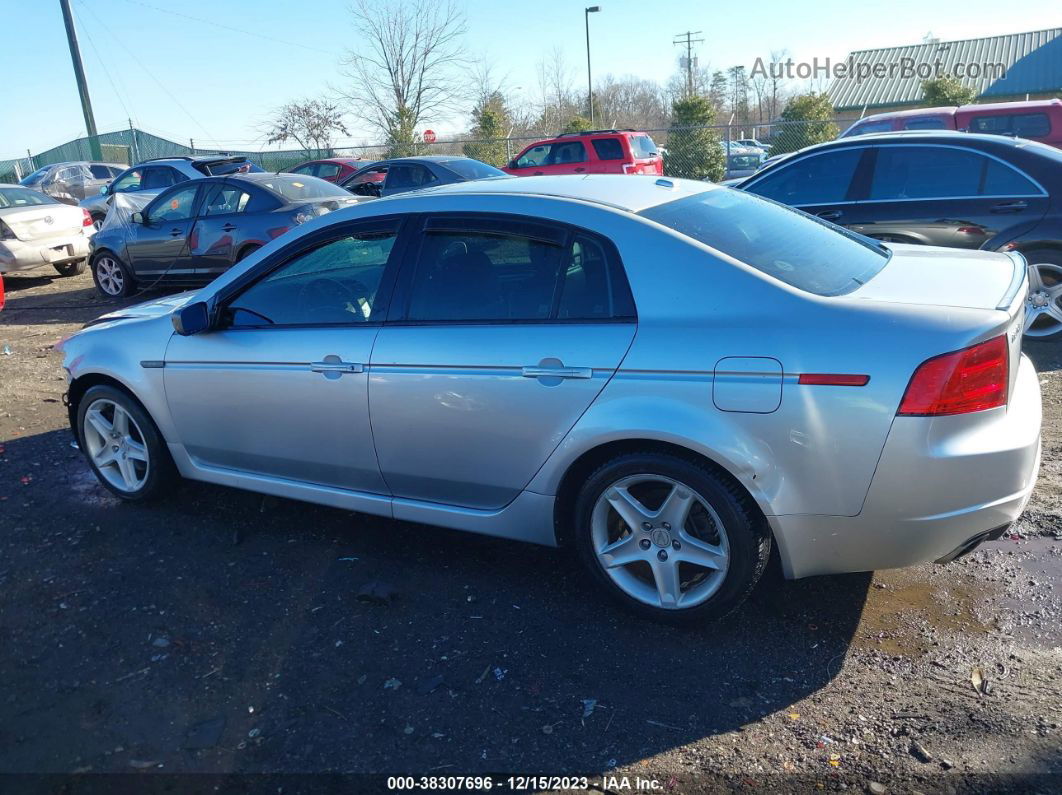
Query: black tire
746	532
1042	256
160	473
105	264
72	268
244	252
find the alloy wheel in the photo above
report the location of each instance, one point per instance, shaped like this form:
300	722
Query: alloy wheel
109	275
1043	306
116	445
660	541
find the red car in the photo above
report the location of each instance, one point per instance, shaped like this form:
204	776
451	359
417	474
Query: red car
1038	120
335	169
1	291
594	152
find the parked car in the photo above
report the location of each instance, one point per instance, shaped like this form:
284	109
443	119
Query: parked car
37	230
595	152
1038	120
570	362
162	172
741	160
332	169
70	182
190	233
939	188
402	174
754	144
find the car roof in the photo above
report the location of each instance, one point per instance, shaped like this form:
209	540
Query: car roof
902	114
631	192
922	136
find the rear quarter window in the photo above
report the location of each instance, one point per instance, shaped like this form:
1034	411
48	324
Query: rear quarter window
789	245
608	148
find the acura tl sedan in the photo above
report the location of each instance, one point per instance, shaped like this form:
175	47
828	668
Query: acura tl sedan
194	230
667	376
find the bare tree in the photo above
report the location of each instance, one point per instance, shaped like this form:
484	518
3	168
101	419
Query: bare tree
313	124
402	72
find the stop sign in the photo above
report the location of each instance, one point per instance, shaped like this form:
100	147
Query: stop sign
429	136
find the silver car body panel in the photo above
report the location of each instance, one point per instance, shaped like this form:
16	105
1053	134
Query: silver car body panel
464	439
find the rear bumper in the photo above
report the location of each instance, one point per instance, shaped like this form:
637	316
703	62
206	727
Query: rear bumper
19	255
940	483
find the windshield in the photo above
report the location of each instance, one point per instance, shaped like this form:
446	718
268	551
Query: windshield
22	197
297	187
787	244
473	169
35	177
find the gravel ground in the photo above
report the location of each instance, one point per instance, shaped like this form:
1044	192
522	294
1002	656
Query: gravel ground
221	632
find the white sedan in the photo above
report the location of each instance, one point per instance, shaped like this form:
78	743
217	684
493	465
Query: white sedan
37	230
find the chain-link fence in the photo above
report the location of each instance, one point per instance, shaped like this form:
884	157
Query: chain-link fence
696	152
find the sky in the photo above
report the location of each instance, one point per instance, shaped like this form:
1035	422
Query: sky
212	70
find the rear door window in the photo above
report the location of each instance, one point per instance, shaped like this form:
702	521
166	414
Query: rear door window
939	172
100	172
787	244
608	148
513	271
409	176
818	179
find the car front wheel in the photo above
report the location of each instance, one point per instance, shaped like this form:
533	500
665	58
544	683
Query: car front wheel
669	538
111	276
124	448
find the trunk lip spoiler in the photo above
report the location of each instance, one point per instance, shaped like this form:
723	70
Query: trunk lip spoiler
1017	279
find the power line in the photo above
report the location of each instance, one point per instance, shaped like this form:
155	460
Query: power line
231	28
147	71
106	71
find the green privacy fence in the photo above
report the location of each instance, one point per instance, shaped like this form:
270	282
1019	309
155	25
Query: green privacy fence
687	151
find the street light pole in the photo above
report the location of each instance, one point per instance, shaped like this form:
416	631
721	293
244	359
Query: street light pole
589	80
79	75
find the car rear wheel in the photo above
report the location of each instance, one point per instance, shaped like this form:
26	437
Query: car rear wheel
244	252
71	268
124	448
111	276
669	538
1043	305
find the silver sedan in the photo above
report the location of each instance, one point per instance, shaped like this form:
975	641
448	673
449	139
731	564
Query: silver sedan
669	377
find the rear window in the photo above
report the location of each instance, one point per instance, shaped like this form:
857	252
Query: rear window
643	146
924	123
22	197
787	244
868	127
473	169
294	187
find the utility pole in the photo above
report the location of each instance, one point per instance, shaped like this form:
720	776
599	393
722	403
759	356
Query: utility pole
82	84
689	41
589	81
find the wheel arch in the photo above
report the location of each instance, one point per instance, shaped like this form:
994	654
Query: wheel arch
580	469
82	384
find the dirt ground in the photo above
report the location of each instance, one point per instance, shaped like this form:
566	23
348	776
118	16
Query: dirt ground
220	632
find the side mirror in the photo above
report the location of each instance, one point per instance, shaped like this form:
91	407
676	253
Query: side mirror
191	319
103	190
137	218
512	163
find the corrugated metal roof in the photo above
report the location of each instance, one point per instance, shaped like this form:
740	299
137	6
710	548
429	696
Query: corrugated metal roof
1033	63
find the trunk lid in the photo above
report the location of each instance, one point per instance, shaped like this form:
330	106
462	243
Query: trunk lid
946	277
44	221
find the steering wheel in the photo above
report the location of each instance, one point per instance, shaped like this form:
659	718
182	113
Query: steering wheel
332	297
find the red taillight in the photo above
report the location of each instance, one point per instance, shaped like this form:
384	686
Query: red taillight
87	219
1	292
973	379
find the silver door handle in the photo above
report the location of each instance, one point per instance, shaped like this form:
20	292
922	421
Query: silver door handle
557	372
336	367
